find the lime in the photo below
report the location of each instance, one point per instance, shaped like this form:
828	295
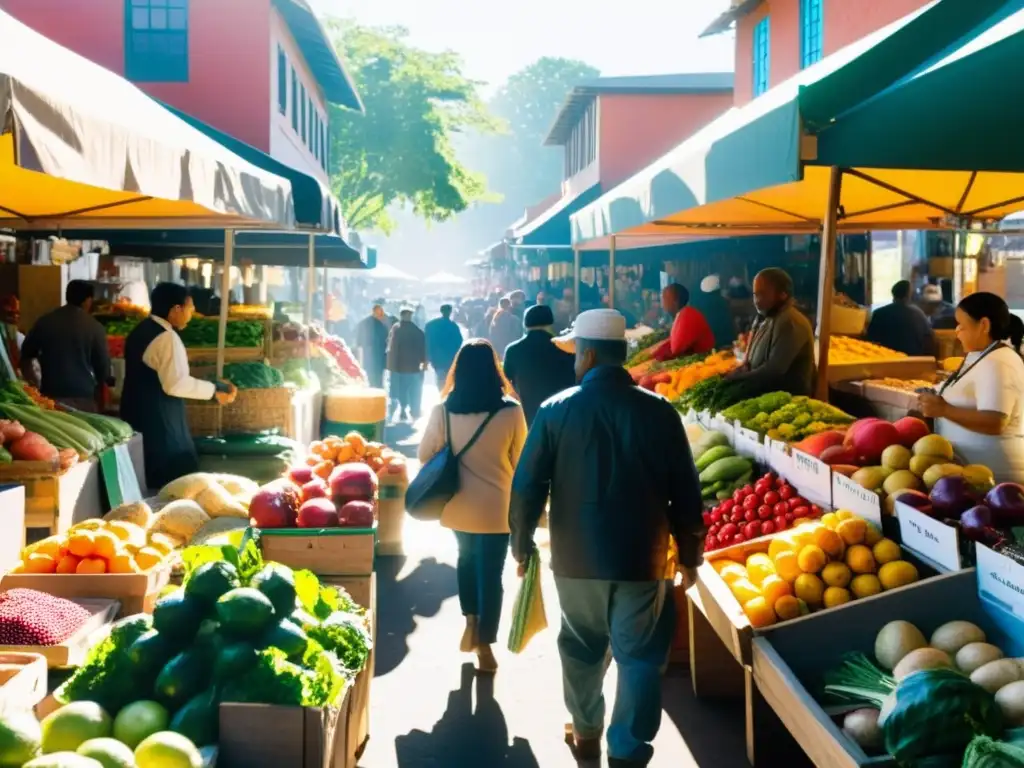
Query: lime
20	737
167	750
110	753
71	725
139	720
63	760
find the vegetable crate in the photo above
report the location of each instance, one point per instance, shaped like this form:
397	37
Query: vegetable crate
254	410
23	681
788	676
72	651
325	551
136	592
12	513
391	514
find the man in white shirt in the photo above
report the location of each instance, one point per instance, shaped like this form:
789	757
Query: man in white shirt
157	382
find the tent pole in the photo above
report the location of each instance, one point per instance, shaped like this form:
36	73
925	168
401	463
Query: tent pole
225	295
576	281
611	274
826	278
310	281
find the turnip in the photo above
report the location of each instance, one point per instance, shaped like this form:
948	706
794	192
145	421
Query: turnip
896	640
861	725
954	635
975	655
998	674
922	658
1010	699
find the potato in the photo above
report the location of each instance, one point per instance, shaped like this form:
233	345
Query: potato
997	674
1010	699
954	635
975	655
922	658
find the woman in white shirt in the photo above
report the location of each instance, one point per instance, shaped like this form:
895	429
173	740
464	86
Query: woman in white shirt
979	408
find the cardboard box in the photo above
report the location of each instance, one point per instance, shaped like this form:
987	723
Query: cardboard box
325	552
391	515
12	513
136	592
266	736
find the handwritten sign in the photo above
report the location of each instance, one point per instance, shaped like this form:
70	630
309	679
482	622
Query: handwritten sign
778	457
846	494
1001	580
812	477
749	443
929	537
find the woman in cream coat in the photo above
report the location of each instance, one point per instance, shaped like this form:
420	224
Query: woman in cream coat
476	404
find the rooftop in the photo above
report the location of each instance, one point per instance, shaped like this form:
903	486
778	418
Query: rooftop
737	9
319	53
581	97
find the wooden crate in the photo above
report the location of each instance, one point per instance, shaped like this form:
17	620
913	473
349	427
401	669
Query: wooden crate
12	515
902	368
326	552
57	500
135	592
72	651
363	589
391	514
23	681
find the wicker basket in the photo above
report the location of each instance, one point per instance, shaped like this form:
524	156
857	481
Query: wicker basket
847	321
254	410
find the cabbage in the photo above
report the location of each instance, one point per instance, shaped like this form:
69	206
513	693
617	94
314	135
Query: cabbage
937	712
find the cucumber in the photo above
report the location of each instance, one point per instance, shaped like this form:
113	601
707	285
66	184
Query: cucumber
77	429
34	421
712	455
729	468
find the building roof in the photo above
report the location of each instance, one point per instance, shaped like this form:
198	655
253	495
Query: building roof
737	10
318	51
581	97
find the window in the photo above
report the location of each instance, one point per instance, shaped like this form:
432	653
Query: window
302	110
581	148
762	56
282	81
325	161
316	135
156	40
811	27
295	101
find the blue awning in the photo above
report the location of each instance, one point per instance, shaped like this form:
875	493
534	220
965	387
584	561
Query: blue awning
552	227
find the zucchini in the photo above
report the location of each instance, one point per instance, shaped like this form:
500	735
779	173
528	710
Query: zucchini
712	455
77	429
245	445
34	421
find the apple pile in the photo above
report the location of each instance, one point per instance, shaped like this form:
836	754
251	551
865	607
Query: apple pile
302	499
770	505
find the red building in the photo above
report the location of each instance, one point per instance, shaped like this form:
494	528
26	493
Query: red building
775	39
262	71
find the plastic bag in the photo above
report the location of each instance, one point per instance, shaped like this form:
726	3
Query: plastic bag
528	616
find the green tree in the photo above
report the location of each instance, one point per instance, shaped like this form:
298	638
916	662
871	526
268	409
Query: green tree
400	153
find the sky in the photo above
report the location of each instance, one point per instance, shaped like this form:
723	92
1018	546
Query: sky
497	38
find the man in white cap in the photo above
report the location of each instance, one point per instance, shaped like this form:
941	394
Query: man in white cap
615	461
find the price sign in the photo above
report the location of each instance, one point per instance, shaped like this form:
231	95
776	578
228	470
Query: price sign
727	429
929	537
690	417
1001	580
779	458
847	494
812	477
704	419
749	443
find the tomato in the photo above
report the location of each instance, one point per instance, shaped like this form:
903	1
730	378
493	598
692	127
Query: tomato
726	505
795	502
815	510
767	527
717	515
736	515
747	490
802	512
751	502
750	515
737	496
739	538
772	498
785	492
770	477
780	508
764	512
752	530
762	487
706	517
729	530
781	523
723	540
789	517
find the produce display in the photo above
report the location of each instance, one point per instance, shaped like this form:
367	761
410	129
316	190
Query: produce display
901	385
846	349
819	564
299	372
332	451
714	394
202	332
113	545
337	350
250	312
721	471
771	505
953	695
253	375
645	347
260	458
672	383
30	617
781	416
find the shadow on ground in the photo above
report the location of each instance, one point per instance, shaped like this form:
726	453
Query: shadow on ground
465	737
707	727
418	594
402	437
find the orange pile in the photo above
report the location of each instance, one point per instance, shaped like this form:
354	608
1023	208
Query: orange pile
326	454
97	546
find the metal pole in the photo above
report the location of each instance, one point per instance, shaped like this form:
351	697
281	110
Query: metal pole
576	280
826	278
611	274
225	295
310	281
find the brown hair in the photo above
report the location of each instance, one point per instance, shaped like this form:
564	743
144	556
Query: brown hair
476	382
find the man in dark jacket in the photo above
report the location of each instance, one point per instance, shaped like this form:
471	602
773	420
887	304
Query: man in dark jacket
535	366
902	326
780	355
372	343
618	468
443	341
407	357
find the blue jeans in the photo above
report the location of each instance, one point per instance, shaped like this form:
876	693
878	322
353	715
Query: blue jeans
637	619
479	570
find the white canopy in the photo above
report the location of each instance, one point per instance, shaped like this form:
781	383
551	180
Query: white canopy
386	272
445	278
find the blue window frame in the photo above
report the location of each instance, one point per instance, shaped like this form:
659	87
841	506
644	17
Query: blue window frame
762	56
325	161
811	32
282	81
302	108
295	101
156	40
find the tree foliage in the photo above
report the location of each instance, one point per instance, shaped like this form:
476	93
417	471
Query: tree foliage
401	153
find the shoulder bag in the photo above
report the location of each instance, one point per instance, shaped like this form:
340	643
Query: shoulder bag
438	479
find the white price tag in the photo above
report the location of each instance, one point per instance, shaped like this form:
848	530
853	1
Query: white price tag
690	417
727	429
812	477
749	443
846	494
929	537
778	458
704	419
1001	580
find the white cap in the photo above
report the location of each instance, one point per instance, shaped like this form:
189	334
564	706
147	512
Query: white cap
931	293
595	325
710	284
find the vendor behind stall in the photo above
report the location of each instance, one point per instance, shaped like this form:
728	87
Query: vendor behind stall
70	347
781	351
980	408
157	383
902	325
691	334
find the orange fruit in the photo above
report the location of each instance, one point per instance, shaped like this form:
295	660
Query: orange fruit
323	469
787	607
787	566
163	542
39	563
853	530
860	559
127	532
68	564
830	542
92	565
147	557
105	544
811	558
122	563
49	546
81	543
836	575
836	596
759	612
357	441
809	588
774	588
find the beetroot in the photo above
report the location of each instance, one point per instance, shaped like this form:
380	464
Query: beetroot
317	513
951	496
275	505
910	430
871	439
1006	501
28	617
356	514
354	481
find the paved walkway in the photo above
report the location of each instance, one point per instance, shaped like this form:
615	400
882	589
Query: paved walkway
430	711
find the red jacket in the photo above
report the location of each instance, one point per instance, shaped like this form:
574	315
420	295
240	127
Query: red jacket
691	335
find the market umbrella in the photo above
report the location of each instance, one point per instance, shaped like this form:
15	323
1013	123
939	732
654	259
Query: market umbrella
82	147
387	272
445	278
